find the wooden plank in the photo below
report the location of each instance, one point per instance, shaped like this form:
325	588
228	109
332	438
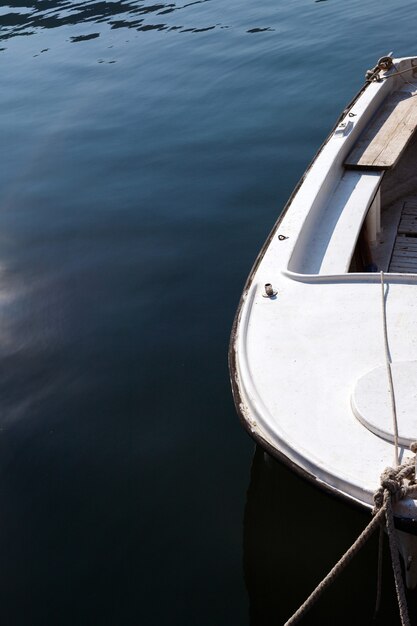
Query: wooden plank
408	224
397	255
396	264
409	240
403	247
387	135
402	270
405	251
407	229
404	240
404	254
404	258
412	267
406	246
404	261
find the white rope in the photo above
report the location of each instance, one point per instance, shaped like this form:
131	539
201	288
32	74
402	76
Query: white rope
398	72
374	75
389	373
402	77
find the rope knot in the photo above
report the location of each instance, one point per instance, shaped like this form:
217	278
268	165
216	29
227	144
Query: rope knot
392	480
391	485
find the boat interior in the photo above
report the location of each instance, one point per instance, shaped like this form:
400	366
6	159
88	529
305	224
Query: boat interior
387	240
368	222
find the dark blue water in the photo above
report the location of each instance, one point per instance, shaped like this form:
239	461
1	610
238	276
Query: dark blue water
146	151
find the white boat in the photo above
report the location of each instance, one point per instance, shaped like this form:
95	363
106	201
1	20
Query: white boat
330	306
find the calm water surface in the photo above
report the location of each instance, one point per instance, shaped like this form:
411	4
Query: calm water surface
146	150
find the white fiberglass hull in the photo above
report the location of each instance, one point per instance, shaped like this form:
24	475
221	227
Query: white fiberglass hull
301	347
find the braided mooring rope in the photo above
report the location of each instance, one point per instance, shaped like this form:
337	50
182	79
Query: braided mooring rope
389	372
392	489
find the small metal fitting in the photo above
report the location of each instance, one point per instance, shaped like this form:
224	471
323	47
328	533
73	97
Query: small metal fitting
385	63
269	291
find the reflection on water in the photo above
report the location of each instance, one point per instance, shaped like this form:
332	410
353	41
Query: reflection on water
26	18
293	535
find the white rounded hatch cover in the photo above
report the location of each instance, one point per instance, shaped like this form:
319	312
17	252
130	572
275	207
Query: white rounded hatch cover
371	401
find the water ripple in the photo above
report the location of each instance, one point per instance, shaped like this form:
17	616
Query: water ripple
26	18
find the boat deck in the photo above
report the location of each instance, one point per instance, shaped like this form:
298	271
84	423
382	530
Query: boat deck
404	256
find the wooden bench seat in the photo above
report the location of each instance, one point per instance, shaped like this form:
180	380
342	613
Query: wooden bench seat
387	135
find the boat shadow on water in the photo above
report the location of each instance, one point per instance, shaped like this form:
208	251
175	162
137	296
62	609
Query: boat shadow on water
293	535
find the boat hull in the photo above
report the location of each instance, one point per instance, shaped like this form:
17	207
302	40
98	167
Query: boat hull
295	267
